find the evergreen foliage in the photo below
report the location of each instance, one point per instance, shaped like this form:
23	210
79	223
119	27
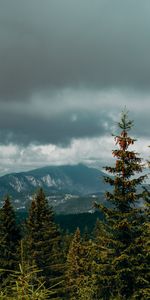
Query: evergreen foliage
79	278
44	242
101	255
73	267
10	236
24	283
144	291
129	269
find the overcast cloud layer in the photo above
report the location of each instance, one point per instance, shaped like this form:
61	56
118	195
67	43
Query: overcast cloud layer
67	69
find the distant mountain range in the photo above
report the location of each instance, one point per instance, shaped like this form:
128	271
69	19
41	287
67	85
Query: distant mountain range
69	189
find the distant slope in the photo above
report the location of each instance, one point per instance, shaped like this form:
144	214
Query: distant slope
77	179
60	183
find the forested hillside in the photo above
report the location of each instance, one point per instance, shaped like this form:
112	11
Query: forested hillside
39	260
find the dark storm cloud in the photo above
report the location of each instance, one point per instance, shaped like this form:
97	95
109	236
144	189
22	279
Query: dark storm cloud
55	44
51	46
24	129
141	123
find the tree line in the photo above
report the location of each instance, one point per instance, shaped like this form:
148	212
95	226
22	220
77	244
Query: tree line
40	261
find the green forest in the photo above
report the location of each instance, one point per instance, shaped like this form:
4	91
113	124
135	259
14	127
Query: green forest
40	260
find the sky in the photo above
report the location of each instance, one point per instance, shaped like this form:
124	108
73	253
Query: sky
67	70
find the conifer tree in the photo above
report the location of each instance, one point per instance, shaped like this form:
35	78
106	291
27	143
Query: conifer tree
144	291
24	283
73	267
79	279
44	243
147	204
146	227
124	217
10	236
101	255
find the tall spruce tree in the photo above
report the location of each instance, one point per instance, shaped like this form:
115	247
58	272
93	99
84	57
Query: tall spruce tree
144	291
147	206
146	228
73	268
80	282
10	236
24	283
125	218
44	243
102	253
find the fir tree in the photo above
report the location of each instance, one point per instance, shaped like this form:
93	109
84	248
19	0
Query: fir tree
44	243
147	207
10	236
146	227
124	217
144	291
101	255
73	268
79	279
24	283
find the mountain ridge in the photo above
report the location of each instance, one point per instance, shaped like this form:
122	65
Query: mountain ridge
63	185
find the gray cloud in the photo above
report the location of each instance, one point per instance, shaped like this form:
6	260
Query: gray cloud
58	119
57	44
58	129
61	63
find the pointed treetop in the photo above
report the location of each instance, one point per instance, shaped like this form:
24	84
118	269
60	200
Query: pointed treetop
7	206
125	123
